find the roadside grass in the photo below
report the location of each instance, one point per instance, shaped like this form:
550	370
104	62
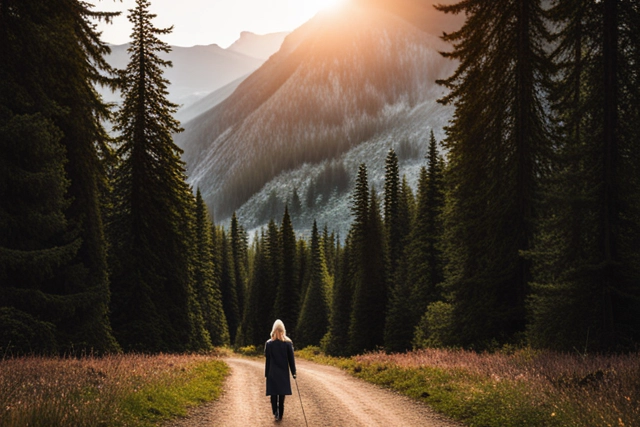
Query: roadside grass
522	388
116	390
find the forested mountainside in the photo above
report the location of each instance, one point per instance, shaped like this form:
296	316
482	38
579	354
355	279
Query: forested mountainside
360	74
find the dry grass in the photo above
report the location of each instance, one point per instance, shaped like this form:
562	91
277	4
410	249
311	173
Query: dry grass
90	391
594	389
521	388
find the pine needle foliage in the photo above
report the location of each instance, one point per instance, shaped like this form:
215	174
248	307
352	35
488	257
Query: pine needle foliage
287	302
228	287
497	148
154	306
206	281
586	289
369	259
314	314
53	270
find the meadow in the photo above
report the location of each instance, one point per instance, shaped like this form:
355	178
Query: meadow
518	388
115	390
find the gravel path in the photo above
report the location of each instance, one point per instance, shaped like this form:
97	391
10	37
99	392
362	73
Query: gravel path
330	396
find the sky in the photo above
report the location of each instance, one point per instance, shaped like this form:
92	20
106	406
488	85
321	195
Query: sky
204	22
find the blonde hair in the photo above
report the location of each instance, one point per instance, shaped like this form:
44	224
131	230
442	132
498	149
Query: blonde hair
278	332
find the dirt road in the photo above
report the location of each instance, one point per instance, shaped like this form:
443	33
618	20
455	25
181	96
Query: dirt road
330	397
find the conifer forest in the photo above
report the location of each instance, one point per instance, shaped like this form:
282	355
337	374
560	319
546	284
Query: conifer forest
523	228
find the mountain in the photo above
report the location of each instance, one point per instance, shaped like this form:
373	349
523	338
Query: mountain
200	70
258	46
344	88
194	109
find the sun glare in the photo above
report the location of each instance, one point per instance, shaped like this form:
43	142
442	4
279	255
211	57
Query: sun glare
327	4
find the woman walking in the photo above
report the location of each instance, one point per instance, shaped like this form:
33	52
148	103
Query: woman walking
279	360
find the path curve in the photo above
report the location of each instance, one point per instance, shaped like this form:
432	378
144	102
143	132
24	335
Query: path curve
331	398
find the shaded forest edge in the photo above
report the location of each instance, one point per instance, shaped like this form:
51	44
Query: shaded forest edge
518	388
115	390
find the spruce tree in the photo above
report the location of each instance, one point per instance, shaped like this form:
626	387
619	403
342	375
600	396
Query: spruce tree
240	260
253	318
52	231
425	257
337	338
329	245
586	291
392	212
287	302
498	147
369	264
274	251
154	307
206	282
314	314
228	287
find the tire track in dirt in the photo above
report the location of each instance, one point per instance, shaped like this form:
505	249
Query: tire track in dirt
331	398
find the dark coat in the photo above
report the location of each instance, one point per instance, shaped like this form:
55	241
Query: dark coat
279	361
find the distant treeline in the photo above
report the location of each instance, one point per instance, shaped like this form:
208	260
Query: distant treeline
526	233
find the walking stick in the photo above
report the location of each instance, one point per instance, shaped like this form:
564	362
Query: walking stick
305	415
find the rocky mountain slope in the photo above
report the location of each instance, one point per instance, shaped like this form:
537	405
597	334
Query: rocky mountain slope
344	88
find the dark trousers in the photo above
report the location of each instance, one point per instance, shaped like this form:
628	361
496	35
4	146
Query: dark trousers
277	404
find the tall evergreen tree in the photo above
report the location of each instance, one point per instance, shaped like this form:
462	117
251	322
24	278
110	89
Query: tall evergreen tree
228	287
314	314
154	305
287	302
329	245
253	318
498	147
336	342
586	289
274	247
392	212
52	249
399	324
304	267
369	256
425	257
240	259
296	205
206	282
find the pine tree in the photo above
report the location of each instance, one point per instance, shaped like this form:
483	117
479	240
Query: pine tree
586	282
498	147
303	257
52	147
228	287
314	314
240	259
392	212
154	307
272	275
329	245
206	282
425	257
287	302
253	318
400	320
296	205
336	342
369	264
